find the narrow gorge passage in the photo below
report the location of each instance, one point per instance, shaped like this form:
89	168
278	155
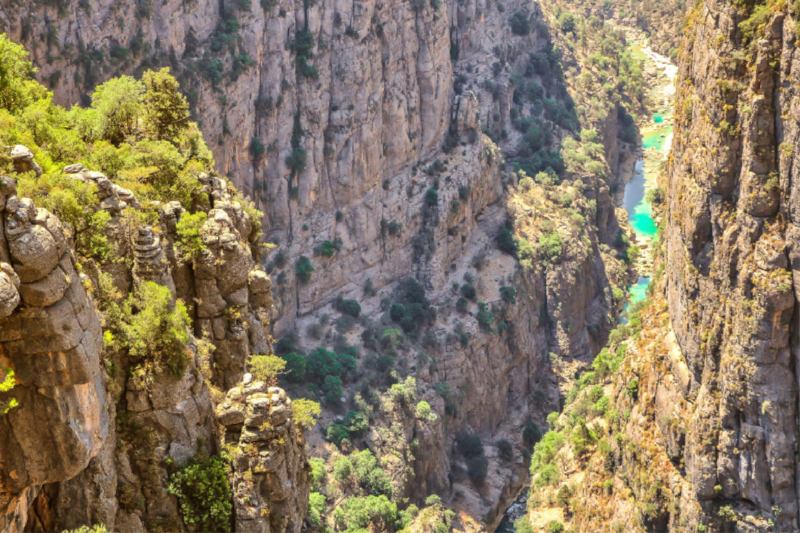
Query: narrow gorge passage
656	140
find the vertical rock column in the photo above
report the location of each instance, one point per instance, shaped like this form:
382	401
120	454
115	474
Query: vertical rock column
270	476
51	338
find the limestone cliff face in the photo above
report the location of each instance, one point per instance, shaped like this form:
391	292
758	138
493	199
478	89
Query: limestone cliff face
730	270
52	340
705	435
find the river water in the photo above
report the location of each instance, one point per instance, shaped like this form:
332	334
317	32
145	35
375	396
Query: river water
656	140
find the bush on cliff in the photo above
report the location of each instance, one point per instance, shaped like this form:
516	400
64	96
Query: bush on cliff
151	328
204	494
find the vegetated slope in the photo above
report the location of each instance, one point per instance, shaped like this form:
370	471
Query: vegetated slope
700	430
369	131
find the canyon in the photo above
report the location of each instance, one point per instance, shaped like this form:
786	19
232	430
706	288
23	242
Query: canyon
416	210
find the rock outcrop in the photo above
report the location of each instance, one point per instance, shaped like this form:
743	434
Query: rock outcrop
270	479
50	336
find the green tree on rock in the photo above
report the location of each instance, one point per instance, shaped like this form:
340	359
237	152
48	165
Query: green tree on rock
18	89
118	103
166	109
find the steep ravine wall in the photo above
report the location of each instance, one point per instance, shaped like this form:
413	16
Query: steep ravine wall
703	435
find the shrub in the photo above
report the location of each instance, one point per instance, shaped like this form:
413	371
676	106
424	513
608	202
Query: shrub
204	494
431	197
551	245
632	388
336	433
485	317
303	269
165	109
266	367
342	469
520	24
462	305
157	332
424	412
358	513
523	525
295	367
305	413
347	307
468	291
469	445
329	248
508	294
477	468
505	450
18	88
555	527
316	506
566	22
188	229
656	196
332	387
506	241
531	434
118	102
6	385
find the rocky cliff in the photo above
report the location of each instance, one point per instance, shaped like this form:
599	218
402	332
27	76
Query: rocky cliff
700	430
468	147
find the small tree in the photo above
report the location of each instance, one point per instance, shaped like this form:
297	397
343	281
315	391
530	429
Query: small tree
303	268
18	89
118	102
506	241
267	368
305	413
188	228
166	111
204	494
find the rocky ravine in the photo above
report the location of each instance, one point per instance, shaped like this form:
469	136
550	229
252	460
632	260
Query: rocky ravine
335	123
705	434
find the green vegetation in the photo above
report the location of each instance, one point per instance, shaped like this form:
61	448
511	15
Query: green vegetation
413	309
18	89
506	241
347	307
6	385
543	468
136	132
431	197
150	328
303	269
508	294
551	245
204	494
305	413
520	23
188	228
356	514
266	368
303	48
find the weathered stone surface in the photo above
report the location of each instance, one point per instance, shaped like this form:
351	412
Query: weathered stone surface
269	461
